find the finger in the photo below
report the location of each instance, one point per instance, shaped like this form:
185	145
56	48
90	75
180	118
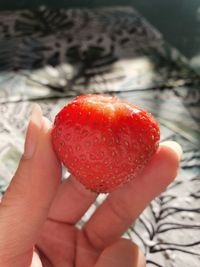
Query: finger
125	204
25	205
122	253
72	200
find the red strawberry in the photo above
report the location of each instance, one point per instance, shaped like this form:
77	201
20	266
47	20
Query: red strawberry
104	141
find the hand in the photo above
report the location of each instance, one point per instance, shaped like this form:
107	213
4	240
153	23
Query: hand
38	213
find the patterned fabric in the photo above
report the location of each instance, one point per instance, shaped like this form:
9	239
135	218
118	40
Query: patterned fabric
50	56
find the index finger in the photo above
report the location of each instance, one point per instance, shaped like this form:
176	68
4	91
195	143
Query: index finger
125	204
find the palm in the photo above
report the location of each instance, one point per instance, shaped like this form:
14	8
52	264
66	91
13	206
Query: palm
61	243
65	247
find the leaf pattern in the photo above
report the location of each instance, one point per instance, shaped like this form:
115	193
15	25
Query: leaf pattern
49	56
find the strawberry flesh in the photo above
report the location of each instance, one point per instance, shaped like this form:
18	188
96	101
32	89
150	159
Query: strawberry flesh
104	141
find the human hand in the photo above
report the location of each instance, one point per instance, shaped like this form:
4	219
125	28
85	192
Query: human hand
38	213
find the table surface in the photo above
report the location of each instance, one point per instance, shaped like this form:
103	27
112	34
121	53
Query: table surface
114	51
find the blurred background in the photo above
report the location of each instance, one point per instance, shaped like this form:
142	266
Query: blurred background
177	20
144	51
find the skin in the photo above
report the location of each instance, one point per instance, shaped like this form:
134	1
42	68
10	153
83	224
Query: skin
38	212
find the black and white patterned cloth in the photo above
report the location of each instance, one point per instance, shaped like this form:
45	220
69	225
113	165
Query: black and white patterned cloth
49	56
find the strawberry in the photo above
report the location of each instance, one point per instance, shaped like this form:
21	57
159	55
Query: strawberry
104	141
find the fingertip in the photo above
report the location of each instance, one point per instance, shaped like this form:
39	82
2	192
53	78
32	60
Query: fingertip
170	154
174	147
46	143
36	115
47	128
33	132
47	125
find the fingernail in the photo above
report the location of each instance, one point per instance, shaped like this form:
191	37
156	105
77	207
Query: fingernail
32	134
175	146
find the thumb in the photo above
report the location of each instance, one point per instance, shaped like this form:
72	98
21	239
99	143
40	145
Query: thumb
122	253
25	205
